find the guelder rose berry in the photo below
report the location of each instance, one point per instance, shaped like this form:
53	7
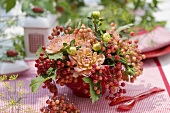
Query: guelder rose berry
95	14
106	37
72	50
97	46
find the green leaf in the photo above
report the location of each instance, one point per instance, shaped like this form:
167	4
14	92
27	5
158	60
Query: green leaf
50	71
105	44
123	60
124	27
10	4
130	71
55	56
89	17
90	24
36	82
72	42
93	94
64	44
78	47
101	19
39	50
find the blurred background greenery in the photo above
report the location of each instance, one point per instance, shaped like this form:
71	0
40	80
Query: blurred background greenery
121	12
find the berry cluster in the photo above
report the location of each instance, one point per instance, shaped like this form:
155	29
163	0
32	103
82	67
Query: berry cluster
65	72
43	64
59	104
110	77
56	32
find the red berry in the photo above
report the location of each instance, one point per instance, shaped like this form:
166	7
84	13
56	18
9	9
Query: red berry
37	9
94	65
44	48
95	88
42	54
98	92
95	81
37	61
41	109
50	37
68	63
124	90
11	53
109	55
132	33
122	84
117	57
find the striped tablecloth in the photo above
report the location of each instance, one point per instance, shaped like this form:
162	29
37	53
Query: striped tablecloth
153	76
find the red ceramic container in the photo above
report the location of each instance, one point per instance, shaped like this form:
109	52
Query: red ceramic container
79	88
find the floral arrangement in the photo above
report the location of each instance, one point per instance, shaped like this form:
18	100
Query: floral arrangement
89	60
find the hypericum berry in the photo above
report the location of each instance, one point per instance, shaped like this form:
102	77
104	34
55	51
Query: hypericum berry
107	98
109	55
112	24
48	101
57	102
11	53
61	28
41	58
41	109
95	81
42	54
132	33
107	86
58	62
97	46
95	88
37	60
100	78
108	51
95	14
44	48
94	65
117	57
124	90
72	50
93	71
98	92
136	41
50	37
68	63
106	37
122	84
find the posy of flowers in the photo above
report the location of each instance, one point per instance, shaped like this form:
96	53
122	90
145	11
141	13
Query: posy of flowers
102	59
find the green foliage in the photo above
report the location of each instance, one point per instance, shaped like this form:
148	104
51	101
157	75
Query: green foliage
18	43
36	82
93	94
9	4
121	28
118	11
72	43
55	56
39	51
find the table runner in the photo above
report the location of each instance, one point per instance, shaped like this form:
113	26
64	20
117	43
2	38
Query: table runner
151	77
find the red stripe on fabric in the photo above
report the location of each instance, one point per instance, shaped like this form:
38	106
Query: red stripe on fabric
163	75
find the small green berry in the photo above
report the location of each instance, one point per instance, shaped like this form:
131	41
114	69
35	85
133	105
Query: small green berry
95	14
97	46
72	50
106	37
